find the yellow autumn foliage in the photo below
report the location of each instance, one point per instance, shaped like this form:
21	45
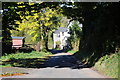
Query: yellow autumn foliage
35	24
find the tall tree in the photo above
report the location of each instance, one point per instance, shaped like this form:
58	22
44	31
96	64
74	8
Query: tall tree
10	16
100	28
8	23
38	23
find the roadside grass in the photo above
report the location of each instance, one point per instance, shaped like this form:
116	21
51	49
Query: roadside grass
72	51
23	59
108	65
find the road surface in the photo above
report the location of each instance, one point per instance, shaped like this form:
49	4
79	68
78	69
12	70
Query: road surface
62	65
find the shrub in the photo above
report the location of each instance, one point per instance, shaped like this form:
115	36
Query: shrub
108	65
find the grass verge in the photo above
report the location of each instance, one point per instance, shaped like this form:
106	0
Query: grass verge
108	65
72	51
23	58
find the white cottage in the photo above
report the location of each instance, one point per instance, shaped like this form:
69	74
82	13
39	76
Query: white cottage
61	35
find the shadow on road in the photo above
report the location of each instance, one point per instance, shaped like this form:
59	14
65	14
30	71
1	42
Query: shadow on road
64	61
54	51
58	61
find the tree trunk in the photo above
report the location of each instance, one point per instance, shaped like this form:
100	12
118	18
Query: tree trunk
46	42
38	46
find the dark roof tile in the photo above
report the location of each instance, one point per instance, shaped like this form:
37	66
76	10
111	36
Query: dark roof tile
61	29
13	37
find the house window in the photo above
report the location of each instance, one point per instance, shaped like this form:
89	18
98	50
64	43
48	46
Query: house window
62	33
58	35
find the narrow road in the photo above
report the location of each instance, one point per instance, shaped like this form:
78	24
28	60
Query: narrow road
62	65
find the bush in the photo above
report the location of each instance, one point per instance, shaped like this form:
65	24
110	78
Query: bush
108	65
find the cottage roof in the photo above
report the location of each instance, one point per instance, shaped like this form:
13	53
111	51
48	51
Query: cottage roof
61	29
13	37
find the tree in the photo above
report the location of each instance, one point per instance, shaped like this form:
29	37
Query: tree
39	24
76	34
8	23
10	16
100	28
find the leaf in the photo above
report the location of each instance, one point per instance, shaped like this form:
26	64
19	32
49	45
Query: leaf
46	24
20	2
34	37
21	6
27	17
47	18
31	3
17	22
32	32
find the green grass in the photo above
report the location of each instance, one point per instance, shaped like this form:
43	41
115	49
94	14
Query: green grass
108	65
72	51
33	54
23	58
